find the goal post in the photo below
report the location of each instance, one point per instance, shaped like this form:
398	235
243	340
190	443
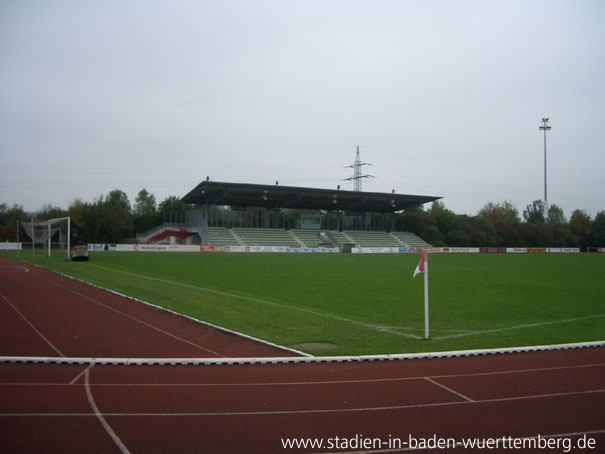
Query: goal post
46	232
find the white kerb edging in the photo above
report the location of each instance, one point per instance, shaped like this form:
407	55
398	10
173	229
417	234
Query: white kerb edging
291	359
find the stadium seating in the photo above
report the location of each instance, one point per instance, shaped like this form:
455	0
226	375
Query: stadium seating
410	240
220	236
341	237
373	239
266	237
309	238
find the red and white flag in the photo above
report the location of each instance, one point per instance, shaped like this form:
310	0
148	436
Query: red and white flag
420	267
423	267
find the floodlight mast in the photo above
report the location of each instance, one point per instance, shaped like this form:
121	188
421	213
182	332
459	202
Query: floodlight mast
545	127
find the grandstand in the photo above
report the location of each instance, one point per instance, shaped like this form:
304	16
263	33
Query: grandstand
341	238
267	237
310	238
220	236
373	239
249	236
158	234
410	240
236	214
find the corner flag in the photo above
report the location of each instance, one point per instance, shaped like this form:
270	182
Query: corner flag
423	267
420	267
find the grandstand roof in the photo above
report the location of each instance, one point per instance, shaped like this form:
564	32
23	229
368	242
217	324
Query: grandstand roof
276	196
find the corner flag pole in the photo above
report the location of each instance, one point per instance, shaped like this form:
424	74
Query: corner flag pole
33	241
423	267
426	294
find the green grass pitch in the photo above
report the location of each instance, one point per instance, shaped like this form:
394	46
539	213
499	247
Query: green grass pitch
357	304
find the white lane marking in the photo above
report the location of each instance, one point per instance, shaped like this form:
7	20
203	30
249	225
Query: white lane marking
449	389
100	416
131	317
77	377
314	411
313	383
32	325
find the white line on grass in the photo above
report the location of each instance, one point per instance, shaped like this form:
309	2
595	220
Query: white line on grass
529	325
406	328
263	301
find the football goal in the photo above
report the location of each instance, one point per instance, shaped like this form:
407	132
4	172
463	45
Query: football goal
50	234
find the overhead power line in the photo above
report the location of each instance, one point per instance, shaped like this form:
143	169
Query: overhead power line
357	175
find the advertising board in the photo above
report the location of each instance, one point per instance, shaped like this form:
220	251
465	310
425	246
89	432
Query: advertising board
6	246
492	250
537	250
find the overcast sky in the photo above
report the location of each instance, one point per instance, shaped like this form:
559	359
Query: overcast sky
444	98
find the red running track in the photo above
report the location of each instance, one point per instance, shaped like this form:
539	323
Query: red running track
559	395
45	314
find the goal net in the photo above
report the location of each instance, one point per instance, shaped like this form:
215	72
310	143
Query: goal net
50	234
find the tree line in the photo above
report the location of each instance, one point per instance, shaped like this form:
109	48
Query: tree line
108	219
500	225
112	219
